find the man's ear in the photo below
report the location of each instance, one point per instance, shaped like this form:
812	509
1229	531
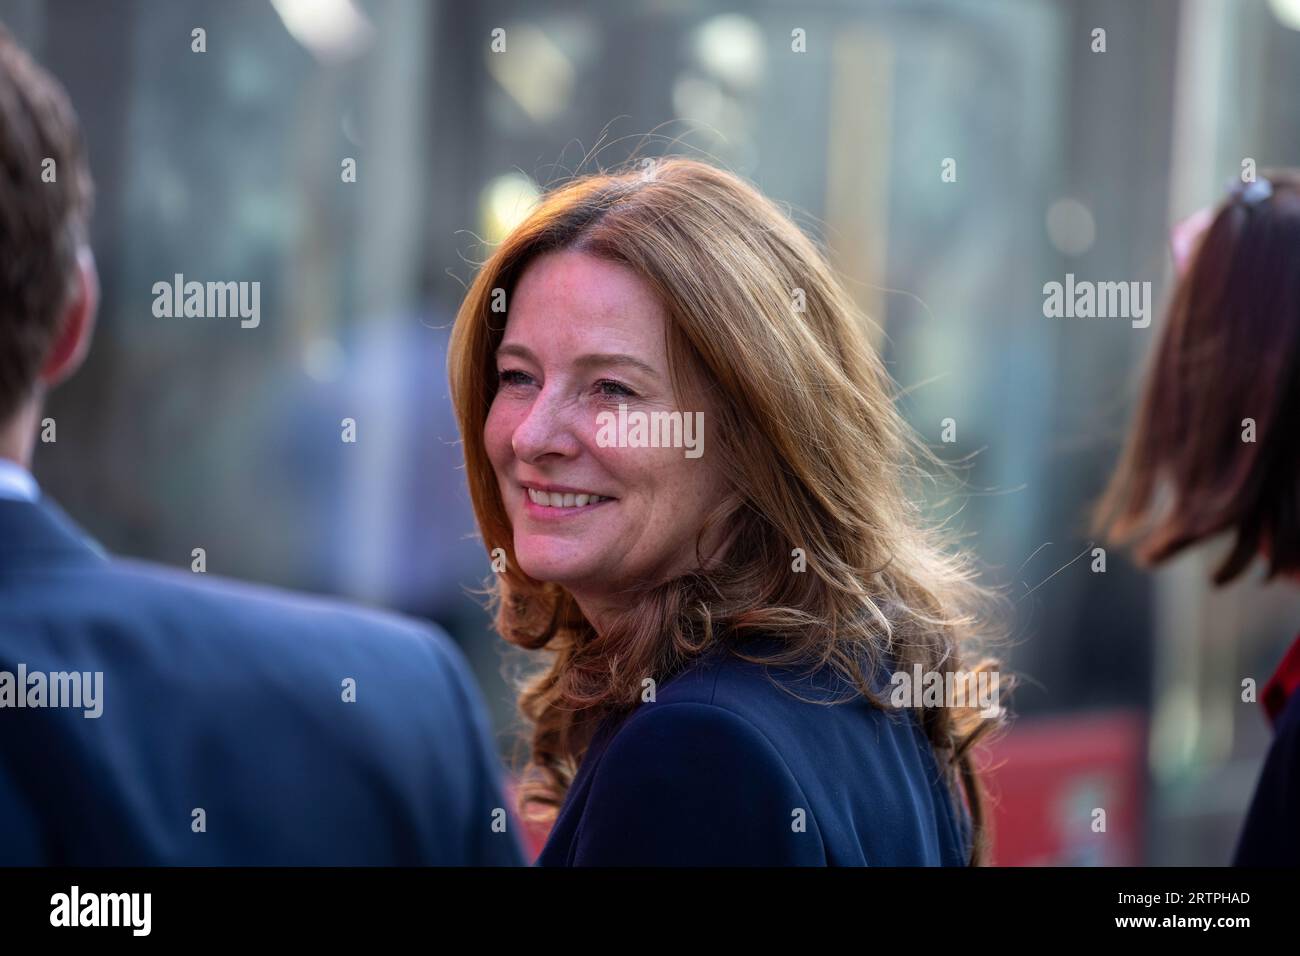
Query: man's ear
76	325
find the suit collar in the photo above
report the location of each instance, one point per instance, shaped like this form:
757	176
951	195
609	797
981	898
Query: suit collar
38	532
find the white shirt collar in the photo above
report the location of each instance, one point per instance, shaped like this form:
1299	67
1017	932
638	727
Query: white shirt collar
16	482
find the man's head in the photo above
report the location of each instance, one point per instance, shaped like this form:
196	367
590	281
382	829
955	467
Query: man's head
48	290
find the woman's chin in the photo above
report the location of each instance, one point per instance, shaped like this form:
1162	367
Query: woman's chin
565	572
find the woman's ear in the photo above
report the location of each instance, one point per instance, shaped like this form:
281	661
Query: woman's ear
76	325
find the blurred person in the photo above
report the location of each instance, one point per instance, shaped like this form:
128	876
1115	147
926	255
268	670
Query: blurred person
148	716
1211	449
722	614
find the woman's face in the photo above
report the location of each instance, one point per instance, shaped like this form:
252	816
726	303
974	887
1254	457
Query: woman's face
582	336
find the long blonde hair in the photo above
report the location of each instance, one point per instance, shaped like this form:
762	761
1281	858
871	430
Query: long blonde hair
808	438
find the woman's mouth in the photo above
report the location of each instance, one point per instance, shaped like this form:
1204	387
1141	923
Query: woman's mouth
554	504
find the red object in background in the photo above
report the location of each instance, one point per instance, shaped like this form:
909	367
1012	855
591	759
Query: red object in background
1047	777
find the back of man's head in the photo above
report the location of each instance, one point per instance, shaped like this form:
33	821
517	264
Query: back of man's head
45	202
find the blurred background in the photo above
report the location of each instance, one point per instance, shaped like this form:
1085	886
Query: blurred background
227	165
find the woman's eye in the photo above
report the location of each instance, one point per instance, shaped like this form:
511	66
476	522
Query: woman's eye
512	376
608	388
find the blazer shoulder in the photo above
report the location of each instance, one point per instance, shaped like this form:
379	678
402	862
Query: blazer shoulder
277	692
833	742
767	695
188	633
294	623
693	783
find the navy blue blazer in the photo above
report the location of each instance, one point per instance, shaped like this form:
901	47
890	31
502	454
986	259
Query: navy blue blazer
229	699
727	768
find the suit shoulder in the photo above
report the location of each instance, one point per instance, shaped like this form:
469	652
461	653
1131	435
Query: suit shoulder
691	783
672	743
256	618
762	693
672	716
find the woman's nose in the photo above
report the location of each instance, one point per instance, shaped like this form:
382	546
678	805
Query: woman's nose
547	429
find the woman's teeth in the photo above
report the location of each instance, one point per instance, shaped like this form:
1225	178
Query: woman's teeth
553	500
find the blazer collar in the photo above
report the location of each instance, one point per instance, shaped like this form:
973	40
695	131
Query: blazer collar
38	532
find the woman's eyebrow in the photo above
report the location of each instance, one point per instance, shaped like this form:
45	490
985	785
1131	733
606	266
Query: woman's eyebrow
588	360
616	358
519	351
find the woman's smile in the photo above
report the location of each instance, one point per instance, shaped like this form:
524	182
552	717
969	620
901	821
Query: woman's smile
552	502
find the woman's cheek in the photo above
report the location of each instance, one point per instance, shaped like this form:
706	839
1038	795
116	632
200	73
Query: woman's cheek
496	434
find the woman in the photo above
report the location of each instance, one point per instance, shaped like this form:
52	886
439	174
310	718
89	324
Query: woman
723	594
1215	435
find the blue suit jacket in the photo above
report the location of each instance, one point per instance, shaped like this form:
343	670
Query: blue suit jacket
727	768
228	699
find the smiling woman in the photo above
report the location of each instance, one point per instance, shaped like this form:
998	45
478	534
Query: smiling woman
719	629
585	335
